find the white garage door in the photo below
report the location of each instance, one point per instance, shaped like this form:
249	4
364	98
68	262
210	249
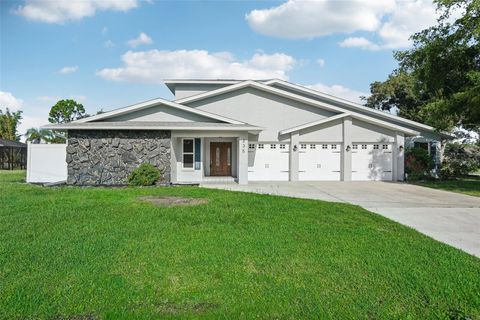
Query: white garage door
319	161
268	161
372	161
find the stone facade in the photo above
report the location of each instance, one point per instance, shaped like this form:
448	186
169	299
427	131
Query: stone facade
106	157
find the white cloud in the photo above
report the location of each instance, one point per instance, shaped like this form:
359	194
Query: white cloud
109	44
29	121
321	62
104	30
154	65
8	100
60	11
297	19
392	22
340	92
67	70
143	38
359	42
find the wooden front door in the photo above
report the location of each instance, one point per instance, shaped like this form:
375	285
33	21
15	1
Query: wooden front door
220	158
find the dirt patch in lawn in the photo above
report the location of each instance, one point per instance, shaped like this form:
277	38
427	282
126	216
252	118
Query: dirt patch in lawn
173	201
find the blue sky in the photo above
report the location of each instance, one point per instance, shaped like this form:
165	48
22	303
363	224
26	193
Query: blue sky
109	54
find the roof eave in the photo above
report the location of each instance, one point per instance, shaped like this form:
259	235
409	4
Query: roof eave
139	127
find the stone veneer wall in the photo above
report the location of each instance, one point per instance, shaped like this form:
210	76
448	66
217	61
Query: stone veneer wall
106	157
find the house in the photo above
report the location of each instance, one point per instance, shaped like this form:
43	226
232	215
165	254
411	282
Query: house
269	130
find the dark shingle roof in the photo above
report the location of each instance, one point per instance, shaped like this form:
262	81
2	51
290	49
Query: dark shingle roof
10	143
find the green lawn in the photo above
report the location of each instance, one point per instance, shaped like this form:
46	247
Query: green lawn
469	185
99	253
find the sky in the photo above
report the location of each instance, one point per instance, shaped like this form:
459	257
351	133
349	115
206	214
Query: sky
108	54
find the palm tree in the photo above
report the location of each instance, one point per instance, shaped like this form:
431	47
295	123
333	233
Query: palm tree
35	135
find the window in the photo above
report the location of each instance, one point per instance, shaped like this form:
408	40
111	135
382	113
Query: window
334	146
303	146
217	157
251	146
355	146
312	146
364	146
423	145
324	146
260	146
375	147
273	146
282	146
385	146
229	160
188	153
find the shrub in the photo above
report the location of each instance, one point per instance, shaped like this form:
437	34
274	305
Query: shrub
459	160
418	164
145	175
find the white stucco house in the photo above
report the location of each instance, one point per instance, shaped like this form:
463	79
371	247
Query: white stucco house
244	130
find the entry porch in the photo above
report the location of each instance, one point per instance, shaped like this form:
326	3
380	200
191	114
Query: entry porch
209	156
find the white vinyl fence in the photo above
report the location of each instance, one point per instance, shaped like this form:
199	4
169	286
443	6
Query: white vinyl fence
46	163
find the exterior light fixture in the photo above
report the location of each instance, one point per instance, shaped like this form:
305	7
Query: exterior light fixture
348	148
294	148
400	148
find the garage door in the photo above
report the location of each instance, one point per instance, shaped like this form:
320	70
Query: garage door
319	161
268	161
371	161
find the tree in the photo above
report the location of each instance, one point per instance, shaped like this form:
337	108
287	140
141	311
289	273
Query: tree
66	111
438	80
35	135
9	122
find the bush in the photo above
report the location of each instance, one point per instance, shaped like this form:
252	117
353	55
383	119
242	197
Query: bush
459	160
145	175
418	164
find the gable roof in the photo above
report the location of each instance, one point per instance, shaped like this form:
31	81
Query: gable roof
268	87
152	103
348	103
260	86
367	119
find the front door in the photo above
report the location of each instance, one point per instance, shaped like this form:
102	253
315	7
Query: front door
220	158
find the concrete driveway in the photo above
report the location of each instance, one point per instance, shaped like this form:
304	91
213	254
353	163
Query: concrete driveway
445	216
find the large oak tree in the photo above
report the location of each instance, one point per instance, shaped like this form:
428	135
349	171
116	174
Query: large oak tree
438	80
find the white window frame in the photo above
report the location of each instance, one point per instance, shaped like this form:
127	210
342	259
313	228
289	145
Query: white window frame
192	153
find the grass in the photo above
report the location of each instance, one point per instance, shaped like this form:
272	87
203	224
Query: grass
468	185
99	253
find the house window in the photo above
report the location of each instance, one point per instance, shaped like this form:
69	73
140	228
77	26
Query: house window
282	146
375	147
251	146
260	146
355	146
324	146
334	146
312	146
385	146
364	146
229	160
273	146
303	146
422	145
188	151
